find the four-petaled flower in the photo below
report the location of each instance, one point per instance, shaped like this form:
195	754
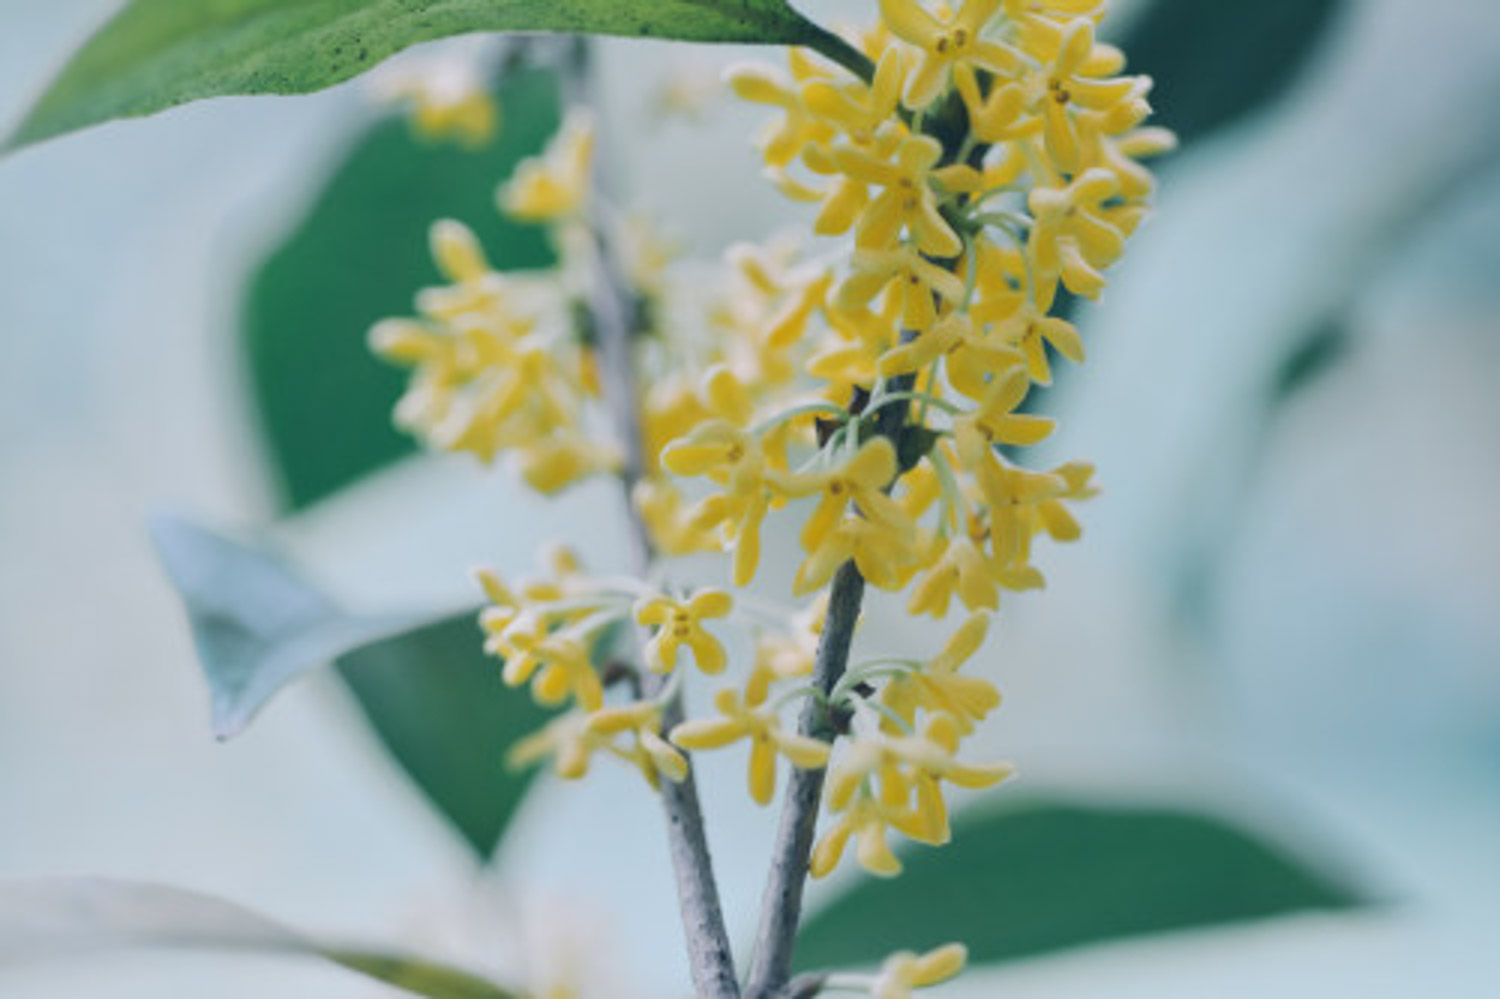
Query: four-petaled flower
680	623
763	728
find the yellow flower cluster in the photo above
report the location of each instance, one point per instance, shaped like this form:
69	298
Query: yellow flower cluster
552	633
987	166
498	362
890	776
990	161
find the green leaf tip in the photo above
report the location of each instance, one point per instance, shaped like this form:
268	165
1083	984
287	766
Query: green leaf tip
256	623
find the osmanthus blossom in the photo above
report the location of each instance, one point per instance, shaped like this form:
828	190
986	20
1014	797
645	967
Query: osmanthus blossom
868	387
905	971
447	97
945	40
555	186
679	624
741	719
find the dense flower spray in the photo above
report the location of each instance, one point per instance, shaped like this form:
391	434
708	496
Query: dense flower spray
868	391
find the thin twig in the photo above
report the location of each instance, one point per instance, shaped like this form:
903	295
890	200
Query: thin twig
611	301
781	906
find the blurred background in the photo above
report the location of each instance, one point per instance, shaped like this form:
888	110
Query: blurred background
1283	612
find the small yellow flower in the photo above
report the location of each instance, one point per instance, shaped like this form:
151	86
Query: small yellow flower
769	303
1012	494
995	421
573	739
788	324
866	822
902	272
1054	517
800	127
1041	22
554	187
938	688
678	624
860	111
558	665
961	568
997	116
908	770
474	286
1068	83
885	555
862	481
1071	235
973	360
552	463
906	200
448	101
1104	147
667	515
905	971
763	728
568	739
543	633
946	41
735	460
1032	330
653	756
851	348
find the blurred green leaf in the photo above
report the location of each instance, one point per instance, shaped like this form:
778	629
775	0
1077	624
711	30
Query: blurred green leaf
436	701
1031	879
360	255
424	683
1214	62
156	54
1320	350
62	918
257	624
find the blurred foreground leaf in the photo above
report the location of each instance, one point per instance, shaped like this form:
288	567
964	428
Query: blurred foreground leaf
58	919
257	624
437	703
1038	878
1214	62
358	256
156	54
424	683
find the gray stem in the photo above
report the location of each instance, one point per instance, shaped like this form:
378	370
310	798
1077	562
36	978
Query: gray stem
781	906
698	893
611	302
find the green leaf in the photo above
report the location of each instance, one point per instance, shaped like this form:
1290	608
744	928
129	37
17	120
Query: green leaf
257	624
1215	62
437	703
53	919
359	255
1319	351
430	693
156	54
1031	879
